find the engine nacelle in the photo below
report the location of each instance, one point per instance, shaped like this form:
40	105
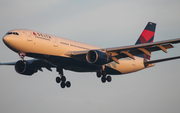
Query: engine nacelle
25	68
96	57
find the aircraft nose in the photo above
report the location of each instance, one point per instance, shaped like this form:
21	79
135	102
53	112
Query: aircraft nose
6	39
9	40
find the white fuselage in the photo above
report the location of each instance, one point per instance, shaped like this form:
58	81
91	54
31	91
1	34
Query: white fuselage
36	43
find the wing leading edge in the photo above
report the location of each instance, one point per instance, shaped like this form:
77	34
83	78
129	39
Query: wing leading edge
130	51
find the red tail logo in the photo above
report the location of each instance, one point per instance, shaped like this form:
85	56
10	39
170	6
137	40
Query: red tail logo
147	36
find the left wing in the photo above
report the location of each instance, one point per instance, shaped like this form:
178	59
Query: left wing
129	51
38	64
9	63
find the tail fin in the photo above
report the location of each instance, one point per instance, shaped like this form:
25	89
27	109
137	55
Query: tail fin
147	36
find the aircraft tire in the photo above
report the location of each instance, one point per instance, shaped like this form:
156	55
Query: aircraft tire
58	79
68	84
109	79
103	79
98	74
63	85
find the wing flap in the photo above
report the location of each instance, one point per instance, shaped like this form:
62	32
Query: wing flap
162	48
145	51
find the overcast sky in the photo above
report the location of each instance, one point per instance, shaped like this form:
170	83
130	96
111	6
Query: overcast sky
104	23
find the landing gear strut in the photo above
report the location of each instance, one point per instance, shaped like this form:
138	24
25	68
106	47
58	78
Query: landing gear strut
22	55
103	76
62	79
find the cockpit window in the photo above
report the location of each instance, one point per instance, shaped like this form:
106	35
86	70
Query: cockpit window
14	33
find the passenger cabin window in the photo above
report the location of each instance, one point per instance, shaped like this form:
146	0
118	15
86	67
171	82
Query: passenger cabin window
14	33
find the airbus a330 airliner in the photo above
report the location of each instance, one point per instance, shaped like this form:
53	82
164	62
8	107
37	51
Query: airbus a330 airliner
54	52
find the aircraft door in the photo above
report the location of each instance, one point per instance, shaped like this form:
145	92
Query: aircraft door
29	36
55	42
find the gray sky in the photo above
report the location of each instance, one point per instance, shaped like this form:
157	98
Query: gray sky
104	23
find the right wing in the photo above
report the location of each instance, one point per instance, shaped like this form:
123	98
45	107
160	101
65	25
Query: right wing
132	50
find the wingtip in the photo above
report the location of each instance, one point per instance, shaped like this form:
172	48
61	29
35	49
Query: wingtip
151	22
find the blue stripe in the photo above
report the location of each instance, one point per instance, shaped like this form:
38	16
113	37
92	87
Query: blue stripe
112	71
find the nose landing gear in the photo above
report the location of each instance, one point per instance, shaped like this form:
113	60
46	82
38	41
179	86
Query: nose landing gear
22	55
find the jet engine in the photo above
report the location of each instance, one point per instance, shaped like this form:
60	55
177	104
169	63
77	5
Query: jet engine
96	57
25	68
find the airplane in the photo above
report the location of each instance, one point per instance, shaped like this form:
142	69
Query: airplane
49	51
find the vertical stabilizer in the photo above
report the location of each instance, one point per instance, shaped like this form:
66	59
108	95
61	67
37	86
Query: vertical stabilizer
147	36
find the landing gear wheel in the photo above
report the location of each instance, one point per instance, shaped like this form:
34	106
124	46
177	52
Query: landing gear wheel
109	78
58	79
63	85
103	79
63	78
98	74
68	84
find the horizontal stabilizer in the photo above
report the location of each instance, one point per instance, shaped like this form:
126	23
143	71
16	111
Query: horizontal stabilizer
160	60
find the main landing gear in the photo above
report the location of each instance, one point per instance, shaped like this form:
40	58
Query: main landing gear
103	76
62	79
